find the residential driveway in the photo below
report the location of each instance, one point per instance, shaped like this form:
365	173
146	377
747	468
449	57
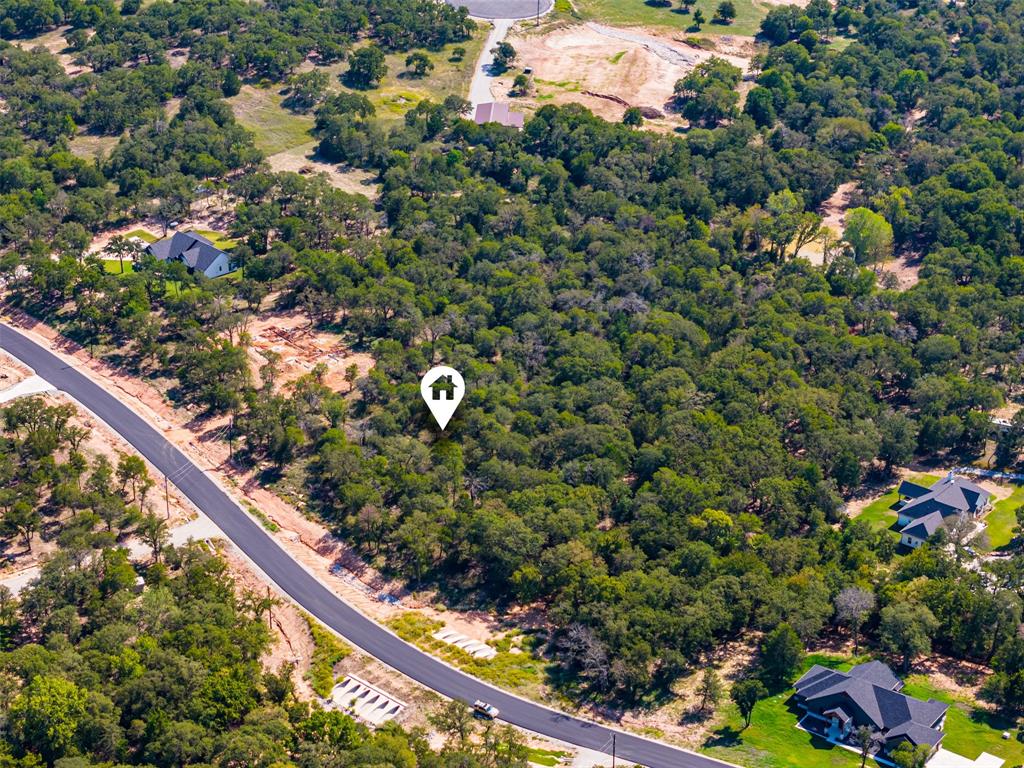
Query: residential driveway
945	759
504	9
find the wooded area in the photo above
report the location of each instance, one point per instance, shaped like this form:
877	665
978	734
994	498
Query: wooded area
665	408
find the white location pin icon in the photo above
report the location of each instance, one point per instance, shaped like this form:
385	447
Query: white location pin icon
442	389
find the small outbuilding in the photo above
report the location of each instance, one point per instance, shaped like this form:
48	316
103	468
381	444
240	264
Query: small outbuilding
498	112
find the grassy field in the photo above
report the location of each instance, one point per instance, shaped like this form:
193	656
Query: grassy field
970	730
1000	522
274	127
277	129
879	513
328	651
399	91
90	146
638	13
772	740
521	672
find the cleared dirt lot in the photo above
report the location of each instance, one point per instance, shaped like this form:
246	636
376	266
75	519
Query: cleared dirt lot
606	69
301	348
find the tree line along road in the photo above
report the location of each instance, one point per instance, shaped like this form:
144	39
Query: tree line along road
302	587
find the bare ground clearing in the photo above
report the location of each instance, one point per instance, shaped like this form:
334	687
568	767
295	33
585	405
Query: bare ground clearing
605	69
301	347
305	161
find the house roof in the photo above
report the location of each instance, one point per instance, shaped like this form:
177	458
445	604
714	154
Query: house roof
195	250
951	493
880	705
925	526
877	673
839	713
498	112
915	733
928	507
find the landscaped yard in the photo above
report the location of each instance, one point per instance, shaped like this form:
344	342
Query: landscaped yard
772	740
1000	522
639	13
880	515
970	730
114	267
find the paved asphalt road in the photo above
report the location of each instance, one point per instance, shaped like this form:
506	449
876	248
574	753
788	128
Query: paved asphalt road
504	9
313	596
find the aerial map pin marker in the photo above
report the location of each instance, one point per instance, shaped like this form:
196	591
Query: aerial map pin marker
442	389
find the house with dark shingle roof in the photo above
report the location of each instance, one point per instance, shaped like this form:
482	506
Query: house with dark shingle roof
869	695
195	251
922	510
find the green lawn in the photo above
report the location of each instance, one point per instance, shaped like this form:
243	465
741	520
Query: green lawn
1000	522
219	239
879	513
772	740
638	13
113	266
142	234
969	730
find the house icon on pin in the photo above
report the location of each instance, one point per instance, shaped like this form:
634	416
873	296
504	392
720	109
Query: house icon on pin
443	388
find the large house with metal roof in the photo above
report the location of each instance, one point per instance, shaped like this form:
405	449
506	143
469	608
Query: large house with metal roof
195	251
839	703
922	510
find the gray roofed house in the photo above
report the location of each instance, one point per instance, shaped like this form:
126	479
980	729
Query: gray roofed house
868	695
924	510
195	251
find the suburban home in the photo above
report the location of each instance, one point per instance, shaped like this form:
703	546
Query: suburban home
921	511
839	703
498	112
195	251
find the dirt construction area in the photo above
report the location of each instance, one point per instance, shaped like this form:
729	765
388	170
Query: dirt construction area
609	69
302	347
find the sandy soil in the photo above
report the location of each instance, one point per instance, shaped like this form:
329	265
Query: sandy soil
11	372
608	69
905	271
305	161
54	42
301	348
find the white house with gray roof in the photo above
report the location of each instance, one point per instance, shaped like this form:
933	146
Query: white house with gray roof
922	510
195	251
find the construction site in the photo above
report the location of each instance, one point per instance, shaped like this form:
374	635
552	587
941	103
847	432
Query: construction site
299	348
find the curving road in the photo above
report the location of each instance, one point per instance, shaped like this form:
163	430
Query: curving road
302	587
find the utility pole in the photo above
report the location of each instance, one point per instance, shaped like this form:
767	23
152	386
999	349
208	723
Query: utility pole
538	13
167	498
613	750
